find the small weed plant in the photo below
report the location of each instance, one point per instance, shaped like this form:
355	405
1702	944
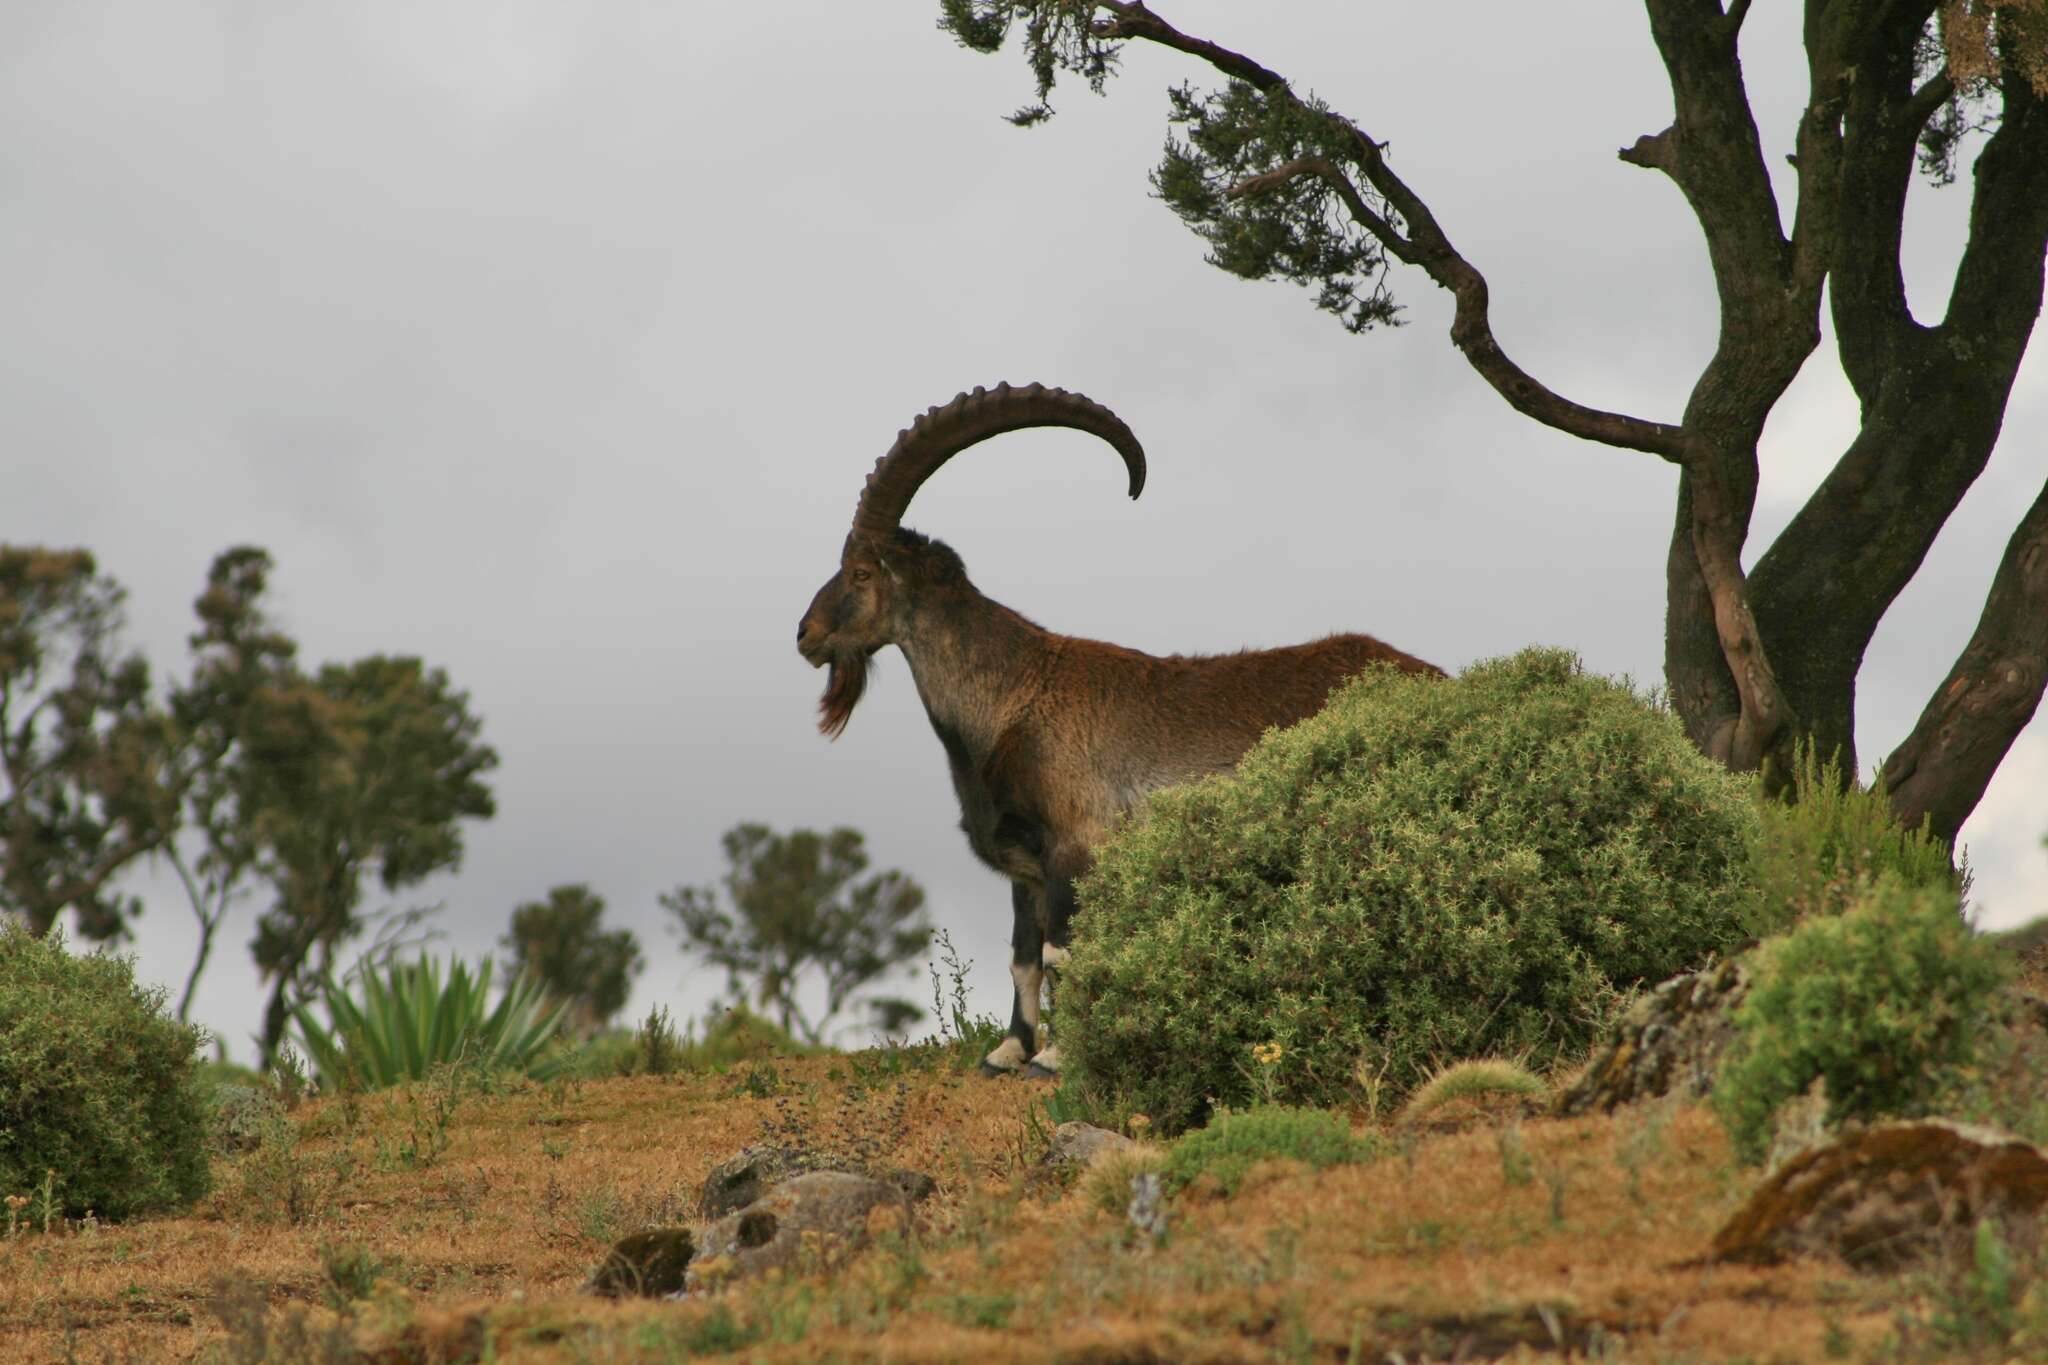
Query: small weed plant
1888	1003
1235	1141
659	1051
1819	853
969	1035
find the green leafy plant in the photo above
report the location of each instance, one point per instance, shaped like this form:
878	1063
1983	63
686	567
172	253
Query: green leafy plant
1814	855
97	1083
1887	1003
1233	1142
1427	870
411	1017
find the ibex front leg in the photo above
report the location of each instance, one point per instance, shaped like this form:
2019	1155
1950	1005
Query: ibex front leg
1027	940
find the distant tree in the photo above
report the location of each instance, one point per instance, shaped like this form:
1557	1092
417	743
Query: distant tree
1280	185
360	772
239	656
83	751
799	907
557	942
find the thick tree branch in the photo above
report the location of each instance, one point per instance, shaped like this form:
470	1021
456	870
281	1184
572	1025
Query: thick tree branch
1880	120
1933	399
1713	154
1134	20
1997	291
1939	774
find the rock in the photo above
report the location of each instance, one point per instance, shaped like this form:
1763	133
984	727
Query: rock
1670	1040
1879	1196
734	1184
810	1221
1078	1144
647	1264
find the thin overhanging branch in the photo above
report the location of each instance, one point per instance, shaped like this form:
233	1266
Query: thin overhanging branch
1424	244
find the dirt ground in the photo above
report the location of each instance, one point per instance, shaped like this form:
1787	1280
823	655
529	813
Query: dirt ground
442	1222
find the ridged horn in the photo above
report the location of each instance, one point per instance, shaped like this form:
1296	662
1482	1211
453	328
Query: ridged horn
944	432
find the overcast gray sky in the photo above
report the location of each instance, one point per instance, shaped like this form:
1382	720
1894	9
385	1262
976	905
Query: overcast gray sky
552	343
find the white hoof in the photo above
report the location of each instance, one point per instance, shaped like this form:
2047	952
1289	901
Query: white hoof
1053	958
1008	1057
1046	1063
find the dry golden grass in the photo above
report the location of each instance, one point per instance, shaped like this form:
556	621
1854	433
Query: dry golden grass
1591	1232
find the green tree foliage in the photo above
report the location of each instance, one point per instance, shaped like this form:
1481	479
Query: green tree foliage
1888	1003
83	751
360	773
799	908
403	1020
558	943
97	1082
1761	649
1426	870
240	660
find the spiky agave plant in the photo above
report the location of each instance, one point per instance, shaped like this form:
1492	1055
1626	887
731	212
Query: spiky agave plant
409	1017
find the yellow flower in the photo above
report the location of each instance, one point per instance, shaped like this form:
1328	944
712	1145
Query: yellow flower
1139	1125
1266	1054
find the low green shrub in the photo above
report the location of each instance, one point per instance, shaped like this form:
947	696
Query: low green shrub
97	1083
656	1049
1426	870
1817	854
1889	1003
1235	1141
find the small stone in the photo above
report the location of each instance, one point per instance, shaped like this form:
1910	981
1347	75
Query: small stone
647	1264
1078	1144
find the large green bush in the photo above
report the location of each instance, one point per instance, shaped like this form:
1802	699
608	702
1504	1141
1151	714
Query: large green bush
1889	1003
97	1083
1424	871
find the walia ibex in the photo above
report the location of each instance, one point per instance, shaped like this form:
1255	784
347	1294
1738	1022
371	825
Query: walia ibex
1050	738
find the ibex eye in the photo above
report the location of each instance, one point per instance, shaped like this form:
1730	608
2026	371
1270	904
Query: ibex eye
860	575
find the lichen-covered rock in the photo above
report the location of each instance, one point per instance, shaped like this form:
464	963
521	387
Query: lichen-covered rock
734	1184
1670	1040
647	1264
1879	1196
809	1222
1077	1144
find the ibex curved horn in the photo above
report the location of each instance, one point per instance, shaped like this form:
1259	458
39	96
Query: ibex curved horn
944	432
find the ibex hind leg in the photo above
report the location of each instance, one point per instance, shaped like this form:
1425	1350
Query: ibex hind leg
1027	940
1059	917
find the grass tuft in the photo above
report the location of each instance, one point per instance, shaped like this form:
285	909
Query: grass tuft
1479	1078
